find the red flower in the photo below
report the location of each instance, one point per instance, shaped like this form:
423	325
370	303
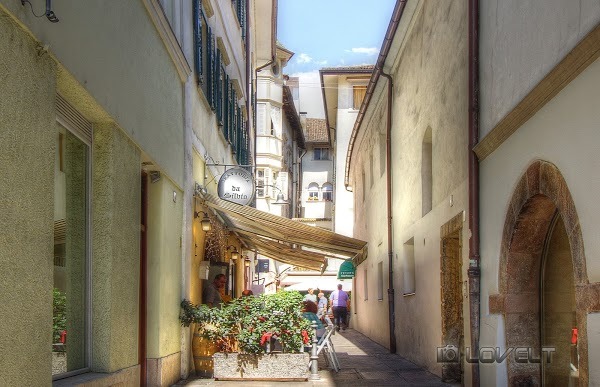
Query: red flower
266	336
305	337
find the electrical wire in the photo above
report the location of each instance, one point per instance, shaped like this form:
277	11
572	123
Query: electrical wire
31	6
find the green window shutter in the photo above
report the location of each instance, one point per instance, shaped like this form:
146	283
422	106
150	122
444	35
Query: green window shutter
227	103
197	41
242	16
219	87
232	118
211	70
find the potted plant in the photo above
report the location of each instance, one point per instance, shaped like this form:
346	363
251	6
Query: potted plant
245	331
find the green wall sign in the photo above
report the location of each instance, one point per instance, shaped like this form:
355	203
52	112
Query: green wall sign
346	270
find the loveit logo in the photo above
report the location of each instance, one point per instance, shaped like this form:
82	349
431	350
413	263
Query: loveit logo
451	354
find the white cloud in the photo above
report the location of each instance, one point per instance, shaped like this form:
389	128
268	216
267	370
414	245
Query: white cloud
304	58
364	50
322	63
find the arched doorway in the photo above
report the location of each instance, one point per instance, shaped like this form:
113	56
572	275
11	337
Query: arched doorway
542	280
558	319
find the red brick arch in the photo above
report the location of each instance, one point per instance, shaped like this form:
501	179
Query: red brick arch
540	194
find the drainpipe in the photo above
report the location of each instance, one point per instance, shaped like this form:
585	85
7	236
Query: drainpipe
299	186
388	156
474	271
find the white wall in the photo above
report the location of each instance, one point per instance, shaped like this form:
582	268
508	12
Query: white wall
520	42
344	199
566	133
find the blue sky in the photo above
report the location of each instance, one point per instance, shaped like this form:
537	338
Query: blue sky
331	33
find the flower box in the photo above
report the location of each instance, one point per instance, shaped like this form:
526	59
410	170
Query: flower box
272	366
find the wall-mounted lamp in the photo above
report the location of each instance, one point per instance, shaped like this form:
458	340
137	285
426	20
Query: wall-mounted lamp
247	262
205	222
49	12
154	176
234	252
280	197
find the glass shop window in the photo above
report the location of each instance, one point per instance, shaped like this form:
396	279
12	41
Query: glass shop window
71	255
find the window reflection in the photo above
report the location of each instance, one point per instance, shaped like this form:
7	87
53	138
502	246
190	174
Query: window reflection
70	253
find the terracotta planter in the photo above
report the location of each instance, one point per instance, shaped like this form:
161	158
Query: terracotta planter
274	366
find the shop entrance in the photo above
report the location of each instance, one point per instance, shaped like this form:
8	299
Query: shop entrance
452	297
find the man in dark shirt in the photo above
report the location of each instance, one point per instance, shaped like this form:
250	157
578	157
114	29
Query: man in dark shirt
211	295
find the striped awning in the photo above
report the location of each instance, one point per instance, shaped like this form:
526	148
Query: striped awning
284	239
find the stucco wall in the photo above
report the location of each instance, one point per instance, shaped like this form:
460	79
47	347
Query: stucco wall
91	40
564	133
520	42
115	249
344	200
27	127
430	91
164	268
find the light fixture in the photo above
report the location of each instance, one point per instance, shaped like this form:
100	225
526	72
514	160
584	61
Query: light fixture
49	12
154	176
280	199
205	222
247	262
234	252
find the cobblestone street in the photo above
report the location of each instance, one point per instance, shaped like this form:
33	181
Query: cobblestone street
363	362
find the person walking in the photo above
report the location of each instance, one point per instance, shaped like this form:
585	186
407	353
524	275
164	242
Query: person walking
310	296
339	304
322	305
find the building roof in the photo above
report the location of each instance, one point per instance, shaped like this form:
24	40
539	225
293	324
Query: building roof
346	69
316	130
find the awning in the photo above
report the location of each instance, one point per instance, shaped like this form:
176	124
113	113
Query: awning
284	239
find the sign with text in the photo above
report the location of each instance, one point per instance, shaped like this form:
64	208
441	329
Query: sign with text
346	270
236	185
262	266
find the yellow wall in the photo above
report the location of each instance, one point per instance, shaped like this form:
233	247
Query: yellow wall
164	268
27	127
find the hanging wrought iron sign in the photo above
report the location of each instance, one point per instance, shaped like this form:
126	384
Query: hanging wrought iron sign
236	185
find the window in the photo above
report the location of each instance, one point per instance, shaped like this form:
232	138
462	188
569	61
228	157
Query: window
313	191
380	281
240	11
371	173
321	154
408	268
358	96
427	173
382	154
327	192
364	188
71	254
260	183
203	55
365	285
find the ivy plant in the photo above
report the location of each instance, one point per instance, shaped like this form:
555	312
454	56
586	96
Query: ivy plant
59	315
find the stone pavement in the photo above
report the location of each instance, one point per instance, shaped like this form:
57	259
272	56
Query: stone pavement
363	363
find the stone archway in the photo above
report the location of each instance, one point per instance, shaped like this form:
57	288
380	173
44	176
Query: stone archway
540	195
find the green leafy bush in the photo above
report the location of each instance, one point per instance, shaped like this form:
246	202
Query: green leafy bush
248	323
59	316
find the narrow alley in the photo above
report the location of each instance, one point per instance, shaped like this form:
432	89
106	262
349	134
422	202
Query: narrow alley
362	363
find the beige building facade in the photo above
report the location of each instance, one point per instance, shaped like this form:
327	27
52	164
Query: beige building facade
538	187
96	139
411	208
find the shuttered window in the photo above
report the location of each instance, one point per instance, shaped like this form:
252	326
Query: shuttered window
240	10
